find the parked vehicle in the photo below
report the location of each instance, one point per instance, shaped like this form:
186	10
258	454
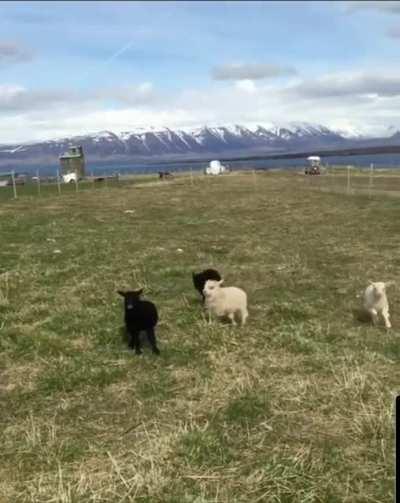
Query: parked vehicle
314	168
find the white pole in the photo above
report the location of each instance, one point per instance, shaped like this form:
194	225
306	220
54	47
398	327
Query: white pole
371	180
191	176
13	183
348	179
38	181
254	179
58	182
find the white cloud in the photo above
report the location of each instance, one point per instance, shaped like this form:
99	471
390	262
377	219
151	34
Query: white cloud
11	52
246	85
359	84
145	88
9	92
366	101
250	71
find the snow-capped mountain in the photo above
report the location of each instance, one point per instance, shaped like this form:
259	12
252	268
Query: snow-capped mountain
155	144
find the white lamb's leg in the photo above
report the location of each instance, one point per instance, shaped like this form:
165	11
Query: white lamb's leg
231	316
374	316
386	318
244	314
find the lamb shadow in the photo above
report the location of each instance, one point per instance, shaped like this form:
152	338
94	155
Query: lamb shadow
125	339
362	316
224	320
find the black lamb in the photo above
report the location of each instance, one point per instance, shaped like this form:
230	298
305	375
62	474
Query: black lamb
199	279
140	315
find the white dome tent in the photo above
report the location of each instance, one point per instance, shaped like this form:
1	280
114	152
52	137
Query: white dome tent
215	168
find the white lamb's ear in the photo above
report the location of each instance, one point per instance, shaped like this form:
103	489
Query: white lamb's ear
220	282
370	282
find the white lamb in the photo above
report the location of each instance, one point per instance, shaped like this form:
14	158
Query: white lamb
376	302
225	301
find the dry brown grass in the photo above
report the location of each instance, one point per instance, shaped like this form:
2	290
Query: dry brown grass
295	407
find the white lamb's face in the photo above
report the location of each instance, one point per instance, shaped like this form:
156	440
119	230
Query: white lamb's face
210	288
379	289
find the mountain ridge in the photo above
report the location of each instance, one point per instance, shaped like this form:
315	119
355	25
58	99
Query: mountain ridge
152	143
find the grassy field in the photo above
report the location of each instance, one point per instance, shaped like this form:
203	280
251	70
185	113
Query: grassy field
297	406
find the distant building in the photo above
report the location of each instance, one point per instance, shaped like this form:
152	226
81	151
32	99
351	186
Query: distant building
73	161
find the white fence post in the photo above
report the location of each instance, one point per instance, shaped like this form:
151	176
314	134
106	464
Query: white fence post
13	184
371	181
348	179
58	182
38	181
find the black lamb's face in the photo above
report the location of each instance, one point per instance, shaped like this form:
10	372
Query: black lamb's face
131	297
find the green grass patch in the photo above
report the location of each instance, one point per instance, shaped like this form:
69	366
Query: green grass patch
297	406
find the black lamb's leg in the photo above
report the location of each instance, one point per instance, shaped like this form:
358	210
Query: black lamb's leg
134	341
152	339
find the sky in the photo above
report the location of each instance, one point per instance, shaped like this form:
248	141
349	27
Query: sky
71	68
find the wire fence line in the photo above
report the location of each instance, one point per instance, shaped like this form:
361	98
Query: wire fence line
339	179
352	181
14	188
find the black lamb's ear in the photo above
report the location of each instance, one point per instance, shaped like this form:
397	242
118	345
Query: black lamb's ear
121	293
139	292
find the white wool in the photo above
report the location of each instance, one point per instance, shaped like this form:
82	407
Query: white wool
376	301
225	301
